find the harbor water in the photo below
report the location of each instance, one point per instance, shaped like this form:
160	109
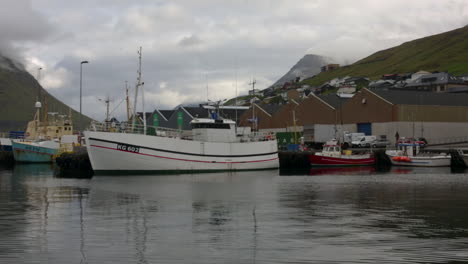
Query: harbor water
355	215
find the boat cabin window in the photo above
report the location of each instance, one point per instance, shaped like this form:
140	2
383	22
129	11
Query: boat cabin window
332	149
211	125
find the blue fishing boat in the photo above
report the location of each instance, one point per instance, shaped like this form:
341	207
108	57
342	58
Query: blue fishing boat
35	152
5	144
42	137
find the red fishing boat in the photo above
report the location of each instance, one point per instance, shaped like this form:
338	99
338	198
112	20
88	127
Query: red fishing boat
332	155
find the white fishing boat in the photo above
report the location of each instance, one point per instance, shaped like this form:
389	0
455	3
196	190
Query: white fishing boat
410	154
464	156
212	146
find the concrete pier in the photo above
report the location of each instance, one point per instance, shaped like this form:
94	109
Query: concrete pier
74	165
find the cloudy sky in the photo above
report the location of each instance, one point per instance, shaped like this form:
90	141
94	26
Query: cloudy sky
199	49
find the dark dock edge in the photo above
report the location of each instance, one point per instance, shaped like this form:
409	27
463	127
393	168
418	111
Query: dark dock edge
74	165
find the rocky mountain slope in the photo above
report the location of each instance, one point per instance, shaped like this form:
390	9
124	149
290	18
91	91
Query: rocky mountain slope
306	67
446	52
18	93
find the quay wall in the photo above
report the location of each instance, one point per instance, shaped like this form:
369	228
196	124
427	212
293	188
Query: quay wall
432	131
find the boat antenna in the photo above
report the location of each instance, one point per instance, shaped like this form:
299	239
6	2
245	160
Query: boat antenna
138	84
143	106
207	97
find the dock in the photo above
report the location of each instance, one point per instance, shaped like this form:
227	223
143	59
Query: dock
74	164
77	164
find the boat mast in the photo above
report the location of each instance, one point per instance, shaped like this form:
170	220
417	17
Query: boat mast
236	103
252	103
107	108
128	102
138	84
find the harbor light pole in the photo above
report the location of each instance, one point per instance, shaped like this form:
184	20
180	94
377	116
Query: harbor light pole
81	80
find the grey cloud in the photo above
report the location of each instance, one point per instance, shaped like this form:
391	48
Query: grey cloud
20	24
191	44
191	40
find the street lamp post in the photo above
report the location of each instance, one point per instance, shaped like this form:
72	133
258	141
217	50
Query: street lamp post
81	80
39	87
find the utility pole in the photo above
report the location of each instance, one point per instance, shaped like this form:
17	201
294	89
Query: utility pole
39	87
81	80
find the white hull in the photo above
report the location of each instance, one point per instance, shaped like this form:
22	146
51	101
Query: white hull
121	152
465	159
424	161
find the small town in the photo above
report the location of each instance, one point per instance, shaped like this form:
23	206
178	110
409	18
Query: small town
233	131
413	105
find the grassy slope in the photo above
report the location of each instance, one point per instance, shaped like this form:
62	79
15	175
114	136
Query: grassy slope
443	52
18	93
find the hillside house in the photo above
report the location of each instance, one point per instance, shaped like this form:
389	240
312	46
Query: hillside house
357	82
437	82
255	92
292	94
329	67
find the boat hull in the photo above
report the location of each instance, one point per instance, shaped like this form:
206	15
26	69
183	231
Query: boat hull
325	161
120	153
29	153
442	161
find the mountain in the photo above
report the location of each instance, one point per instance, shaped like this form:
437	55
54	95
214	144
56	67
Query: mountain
306	67
18	93
446	52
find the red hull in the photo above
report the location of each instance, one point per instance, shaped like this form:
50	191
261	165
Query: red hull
331	161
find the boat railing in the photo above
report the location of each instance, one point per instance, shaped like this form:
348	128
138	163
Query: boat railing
259	136
170	132
137	129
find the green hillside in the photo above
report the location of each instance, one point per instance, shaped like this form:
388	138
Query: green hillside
18	93
443	52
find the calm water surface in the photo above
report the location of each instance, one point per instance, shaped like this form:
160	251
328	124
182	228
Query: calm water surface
330	216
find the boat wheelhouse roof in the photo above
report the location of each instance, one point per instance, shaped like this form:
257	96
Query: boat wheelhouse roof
211	121
331	143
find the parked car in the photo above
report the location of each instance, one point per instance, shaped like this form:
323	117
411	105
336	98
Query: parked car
364	141
380	143
348	138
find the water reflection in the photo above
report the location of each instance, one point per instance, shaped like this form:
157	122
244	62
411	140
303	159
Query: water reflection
400	211
26	169
362	216
342	170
